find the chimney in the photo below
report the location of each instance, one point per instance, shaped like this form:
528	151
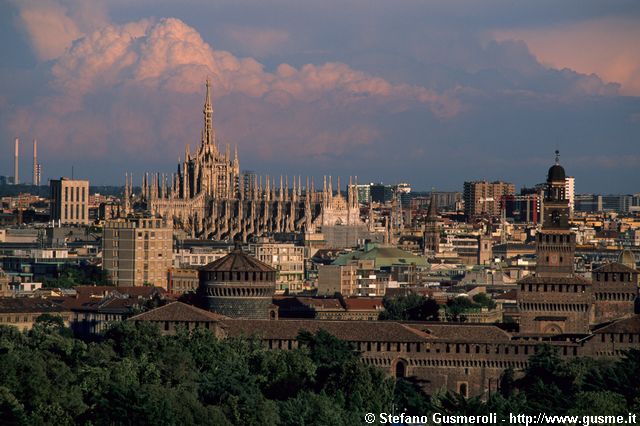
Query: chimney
36	166
16	161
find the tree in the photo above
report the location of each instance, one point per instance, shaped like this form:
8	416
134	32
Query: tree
410	398
411	307
599	403
484	300
11	410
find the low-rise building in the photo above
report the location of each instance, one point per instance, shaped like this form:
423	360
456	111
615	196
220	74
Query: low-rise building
286	258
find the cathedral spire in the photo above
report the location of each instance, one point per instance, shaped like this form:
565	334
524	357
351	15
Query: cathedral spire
209	136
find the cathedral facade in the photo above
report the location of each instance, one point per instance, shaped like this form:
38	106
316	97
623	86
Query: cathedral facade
206	197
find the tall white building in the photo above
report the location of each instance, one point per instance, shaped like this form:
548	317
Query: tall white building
570	191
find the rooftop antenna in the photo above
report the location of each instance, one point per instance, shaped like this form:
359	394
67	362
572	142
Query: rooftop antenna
71	172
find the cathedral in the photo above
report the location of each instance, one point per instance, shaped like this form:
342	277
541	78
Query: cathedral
207	198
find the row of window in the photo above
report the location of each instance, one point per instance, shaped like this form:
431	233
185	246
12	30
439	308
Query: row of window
553	238
418	347
68	212
615	276
12	319
616	296
241	276
557	307
560	288
620	337
238	292
78	192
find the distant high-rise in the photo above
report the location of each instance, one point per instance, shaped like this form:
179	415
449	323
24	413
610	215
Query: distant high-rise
36	166
482	198
570	193
16	163
70	201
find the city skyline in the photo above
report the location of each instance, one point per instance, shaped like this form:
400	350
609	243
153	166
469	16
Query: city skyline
417	104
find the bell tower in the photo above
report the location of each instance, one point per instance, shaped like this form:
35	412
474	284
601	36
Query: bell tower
556	244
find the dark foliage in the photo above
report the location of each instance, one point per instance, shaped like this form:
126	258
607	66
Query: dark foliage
411	307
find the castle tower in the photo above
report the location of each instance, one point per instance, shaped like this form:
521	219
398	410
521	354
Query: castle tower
238	286
555	300
556	244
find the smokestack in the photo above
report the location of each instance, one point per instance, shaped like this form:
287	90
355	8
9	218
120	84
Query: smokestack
16	161
36	174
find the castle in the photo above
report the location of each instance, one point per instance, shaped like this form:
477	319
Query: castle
207	198
579	317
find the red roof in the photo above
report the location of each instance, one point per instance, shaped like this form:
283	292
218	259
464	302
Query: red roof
363	303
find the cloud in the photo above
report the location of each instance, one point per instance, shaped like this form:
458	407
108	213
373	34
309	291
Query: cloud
51	26
433	95
126	89
257	42
605	47
170	55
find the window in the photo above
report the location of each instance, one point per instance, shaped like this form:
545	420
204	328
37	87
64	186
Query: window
463	389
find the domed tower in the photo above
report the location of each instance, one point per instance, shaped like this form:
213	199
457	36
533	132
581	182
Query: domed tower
555	300
556	244
238	286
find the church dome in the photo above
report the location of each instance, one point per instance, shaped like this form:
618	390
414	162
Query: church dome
556	173
627	258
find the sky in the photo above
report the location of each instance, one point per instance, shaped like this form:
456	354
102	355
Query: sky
427	92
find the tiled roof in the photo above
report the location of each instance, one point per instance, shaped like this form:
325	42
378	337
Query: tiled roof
629	325
509	295
363	303
321	303
237	261
178	311
463	332
31	304
615	267
131	291
354	331
110	304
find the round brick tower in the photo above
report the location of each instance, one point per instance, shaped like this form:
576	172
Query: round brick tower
238	286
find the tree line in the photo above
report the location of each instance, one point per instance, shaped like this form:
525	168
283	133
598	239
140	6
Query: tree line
135	376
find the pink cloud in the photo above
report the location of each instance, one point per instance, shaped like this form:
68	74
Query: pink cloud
130	89
51	26
607	47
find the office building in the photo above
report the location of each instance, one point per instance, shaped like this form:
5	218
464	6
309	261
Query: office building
138	251
70	201
484	199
